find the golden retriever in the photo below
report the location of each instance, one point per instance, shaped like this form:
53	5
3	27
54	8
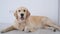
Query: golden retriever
29	23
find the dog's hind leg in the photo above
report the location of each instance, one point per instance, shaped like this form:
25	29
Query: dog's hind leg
56	27
49	27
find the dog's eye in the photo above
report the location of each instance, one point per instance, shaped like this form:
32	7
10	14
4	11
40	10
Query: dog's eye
19	10
24	10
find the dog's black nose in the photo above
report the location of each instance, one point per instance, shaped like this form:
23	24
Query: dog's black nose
22	15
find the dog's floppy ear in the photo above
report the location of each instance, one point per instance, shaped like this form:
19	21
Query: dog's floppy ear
28	14
15	14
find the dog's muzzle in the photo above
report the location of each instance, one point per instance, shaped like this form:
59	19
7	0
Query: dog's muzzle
22	16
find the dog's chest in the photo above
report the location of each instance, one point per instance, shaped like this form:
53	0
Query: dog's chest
19	25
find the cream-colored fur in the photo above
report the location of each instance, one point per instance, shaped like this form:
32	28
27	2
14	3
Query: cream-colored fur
36	22
30	23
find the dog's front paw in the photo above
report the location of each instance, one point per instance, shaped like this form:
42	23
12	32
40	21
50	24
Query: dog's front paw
23	30
29	31
54	30
2	31
32	30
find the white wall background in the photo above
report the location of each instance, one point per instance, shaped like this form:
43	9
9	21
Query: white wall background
59	10
36	7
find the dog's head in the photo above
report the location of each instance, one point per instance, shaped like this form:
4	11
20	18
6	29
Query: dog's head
22	13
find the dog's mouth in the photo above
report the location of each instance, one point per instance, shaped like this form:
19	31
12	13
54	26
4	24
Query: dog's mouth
22	18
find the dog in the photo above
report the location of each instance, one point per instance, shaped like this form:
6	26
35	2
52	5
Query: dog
21	14
24	21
